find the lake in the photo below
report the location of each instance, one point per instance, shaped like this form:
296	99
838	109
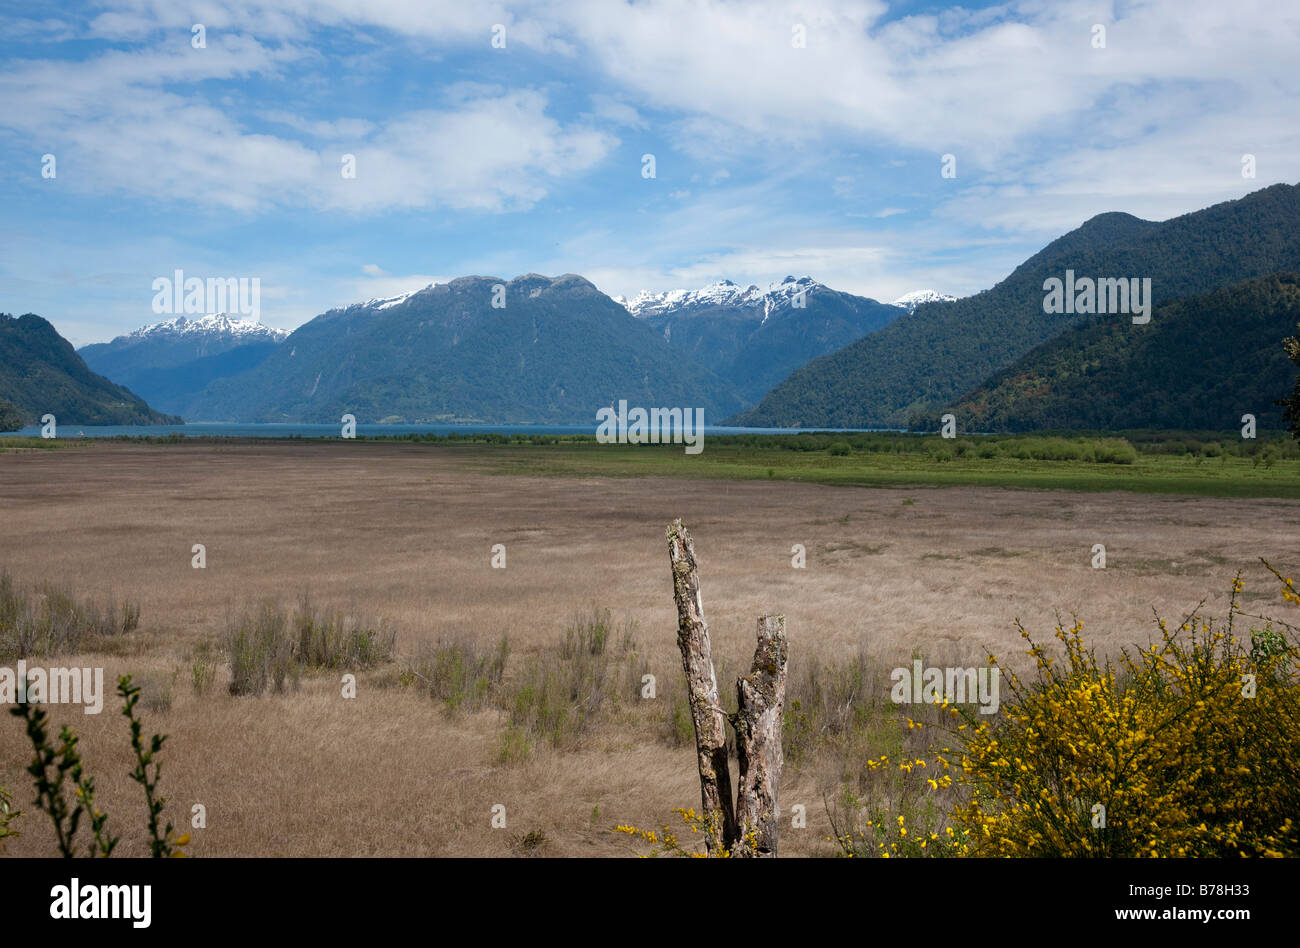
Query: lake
213	430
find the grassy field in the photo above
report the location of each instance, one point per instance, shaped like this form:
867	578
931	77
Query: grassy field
402	534
927	462
18	445
1196	463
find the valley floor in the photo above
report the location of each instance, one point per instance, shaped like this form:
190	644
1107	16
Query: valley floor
406	532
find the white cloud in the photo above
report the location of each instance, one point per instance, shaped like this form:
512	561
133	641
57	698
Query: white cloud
115	124
497	153
338	129
882	264
616	112
1006	89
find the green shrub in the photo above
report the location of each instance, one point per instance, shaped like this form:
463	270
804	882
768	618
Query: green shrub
66	793
458	672
1114	451
1167	753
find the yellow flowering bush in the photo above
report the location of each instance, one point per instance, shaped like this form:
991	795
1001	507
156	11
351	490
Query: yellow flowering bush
1188	747
667	843
887	834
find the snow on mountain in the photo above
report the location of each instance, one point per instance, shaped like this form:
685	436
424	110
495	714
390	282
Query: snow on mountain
910	301
381	302
388	302
722	293
221	324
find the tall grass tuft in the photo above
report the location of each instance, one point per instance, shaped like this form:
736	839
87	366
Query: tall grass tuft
328	639
837	705
270	648
48	620
458	672
260	652
203	668
556	701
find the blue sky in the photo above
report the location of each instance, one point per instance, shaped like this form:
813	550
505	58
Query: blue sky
771	158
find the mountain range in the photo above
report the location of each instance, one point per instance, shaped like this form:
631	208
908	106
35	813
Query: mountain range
477	349
727	345
795	353
170	363
754	338
922	363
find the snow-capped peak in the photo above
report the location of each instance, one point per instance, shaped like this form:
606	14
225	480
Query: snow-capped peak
222	324
910	301
388	302
382	302
719	293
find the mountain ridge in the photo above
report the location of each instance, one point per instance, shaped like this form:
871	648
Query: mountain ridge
168	362
554	351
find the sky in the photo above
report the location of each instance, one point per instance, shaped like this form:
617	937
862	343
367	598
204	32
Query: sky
502	139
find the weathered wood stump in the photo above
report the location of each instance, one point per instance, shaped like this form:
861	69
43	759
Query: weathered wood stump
749	826
758	741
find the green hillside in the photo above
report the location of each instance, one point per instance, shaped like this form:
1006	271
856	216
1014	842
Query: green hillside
11	419
41	373
922	363
1202	362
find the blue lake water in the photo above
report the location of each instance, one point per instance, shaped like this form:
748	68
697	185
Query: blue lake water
200	430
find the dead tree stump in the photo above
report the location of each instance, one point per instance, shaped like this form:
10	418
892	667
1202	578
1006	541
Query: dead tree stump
702	692
758	741
749	826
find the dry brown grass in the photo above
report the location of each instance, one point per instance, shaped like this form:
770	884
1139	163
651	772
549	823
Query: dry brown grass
405	532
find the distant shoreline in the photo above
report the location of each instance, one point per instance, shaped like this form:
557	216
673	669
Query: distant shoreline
297	430
1204	464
